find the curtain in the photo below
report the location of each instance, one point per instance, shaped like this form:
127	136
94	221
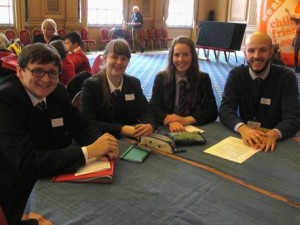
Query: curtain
165	12
195	25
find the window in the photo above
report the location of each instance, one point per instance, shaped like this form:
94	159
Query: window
180	13
105	12
6	12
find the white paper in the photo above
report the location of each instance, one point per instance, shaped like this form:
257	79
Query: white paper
191	128
93	165
233	149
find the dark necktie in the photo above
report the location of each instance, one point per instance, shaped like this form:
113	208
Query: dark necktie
182	98
258	86
116	93
41	106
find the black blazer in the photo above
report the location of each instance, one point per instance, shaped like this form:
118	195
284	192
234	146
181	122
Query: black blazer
136	108
205	109
31	147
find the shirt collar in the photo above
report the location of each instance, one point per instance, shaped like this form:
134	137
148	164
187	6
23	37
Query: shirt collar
112	87
263	75
75	50
179	78
34	99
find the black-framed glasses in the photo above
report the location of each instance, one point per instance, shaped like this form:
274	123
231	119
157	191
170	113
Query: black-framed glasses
52	74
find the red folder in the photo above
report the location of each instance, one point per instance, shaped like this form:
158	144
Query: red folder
105	176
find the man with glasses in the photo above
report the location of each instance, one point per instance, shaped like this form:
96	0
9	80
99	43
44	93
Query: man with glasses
37	124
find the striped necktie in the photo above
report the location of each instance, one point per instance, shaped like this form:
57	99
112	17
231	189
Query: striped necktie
182	98
41	106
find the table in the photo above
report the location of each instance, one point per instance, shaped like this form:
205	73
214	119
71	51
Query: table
164	190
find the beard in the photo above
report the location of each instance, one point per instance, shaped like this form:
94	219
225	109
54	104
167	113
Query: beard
260	70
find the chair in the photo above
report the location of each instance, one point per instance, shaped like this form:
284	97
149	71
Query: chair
105	36
165	38
10	34
62	32
144	39
86	42
25	37
35	32
76	100
153	38
96	64
158	36
74	85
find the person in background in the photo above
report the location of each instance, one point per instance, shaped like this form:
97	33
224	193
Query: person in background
113	100
137	22
49	29
261	95
4	42
75	53
37	122
67	67
182	94
296	42
15	47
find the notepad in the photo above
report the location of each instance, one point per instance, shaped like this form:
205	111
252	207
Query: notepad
135	154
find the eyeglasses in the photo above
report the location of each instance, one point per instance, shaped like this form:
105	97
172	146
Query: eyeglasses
52	74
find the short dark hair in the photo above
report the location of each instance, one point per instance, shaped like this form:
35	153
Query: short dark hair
39	53
73	36
60	47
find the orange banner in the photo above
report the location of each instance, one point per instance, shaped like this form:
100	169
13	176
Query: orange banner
275	19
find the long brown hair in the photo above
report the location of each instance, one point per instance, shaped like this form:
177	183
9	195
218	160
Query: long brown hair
192	73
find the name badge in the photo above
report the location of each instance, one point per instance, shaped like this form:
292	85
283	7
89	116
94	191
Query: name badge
59	122
254	124
129	97
265	101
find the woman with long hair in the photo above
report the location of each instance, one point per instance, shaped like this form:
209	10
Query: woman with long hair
182	94
113	100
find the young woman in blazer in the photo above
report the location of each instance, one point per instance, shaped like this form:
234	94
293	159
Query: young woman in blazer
198	105
113	100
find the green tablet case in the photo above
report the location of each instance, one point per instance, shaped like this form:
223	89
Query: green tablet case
135	154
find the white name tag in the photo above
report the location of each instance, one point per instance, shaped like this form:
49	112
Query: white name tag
254	124
265	101
129	97
59	122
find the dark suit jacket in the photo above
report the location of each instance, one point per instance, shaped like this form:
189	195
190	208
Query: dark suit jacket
205	110
135	111
40	38
31	147
280	87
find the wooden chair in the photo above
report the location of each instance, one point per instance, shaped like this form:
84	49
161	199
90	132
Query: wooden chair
25	37
105	36
151	36
62	32
84	39
10	34
145	39
165	38
96	64
35	32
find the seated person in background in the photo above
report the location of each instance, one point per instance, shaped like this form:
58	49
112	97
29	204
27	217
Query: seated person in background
67	67
261	95
114	100
49	29
75	53
37	122
4	42
15	47
182	94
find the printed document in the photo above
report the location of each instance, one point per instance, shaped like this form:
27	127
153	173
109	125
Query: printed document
232	149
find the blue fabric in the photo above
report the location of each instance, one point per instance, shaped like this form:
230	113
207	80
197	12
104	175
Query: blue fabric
162	191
